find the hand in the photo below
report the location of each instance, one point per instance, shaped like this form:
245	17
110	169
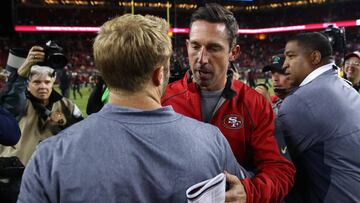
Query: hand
263	91
236	192
35	55
57	118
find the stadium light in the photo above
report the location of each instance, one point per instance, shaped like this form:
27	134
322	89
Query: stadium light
349	23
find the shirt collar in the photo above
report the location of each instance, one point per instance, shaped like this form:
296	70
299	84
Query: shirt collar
315	73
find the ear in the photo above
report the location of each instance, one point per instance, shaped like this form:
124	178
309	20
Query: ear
187	44
234	53
315	57
158	76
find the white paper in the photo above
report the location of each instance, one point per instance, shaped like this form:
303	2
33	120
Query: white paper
208	191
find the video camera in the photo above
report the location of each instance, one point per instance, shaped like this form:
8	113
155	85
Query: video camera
54	56
336	37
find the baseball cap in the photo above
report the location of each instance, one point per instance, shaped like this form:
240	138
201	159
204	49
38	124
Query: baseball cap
277	62
355	53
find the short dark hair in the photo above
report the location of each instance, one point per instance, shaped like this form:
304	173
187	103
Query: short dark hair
314	41
215	13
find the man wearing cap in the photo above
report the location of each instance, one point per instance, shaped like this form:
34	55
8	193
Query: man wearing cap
352	69
280	81
282	88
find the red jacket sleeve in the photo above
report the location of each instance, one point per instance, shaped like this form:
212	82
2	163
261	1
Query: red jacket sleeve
274	174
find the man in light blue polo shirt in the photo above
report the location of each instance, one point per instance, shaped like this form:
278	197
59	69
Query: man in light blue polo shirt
133	150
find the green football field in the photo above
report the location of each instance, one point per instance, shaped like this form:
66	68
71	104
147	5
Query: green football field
82	102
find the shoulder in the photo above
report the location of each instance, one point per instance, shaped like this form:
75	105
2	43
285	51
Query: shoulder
301	106
67	101
194	124
242	89
296	98
175	90
75	135
199	129
247	95
314	92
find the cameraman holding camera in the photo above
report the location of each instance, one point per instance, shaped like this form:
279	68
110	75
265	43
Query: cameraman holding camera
40	111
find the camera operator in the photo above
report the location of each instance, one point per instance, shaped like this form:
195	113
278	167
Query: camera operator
40	111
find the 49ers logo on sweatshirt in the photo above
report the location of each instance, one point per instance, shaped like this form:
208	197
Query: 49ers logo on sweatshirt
232	121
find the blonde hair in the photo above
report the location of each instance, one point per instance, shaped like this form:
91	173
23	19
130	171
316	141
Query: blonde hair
129	47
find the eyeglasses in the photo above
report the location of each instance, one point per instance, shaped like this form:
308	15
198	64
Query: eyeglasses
352	63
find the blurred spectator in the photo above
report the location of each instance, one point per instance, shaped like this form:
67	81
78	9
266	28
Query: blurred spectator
65	82
352	69
95	102
76	85
252	78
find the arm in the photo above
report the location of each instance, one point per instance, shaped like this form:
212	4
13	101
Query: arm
35	182
279	135
9	129
274	174
14	99
236	192
298	124
76	115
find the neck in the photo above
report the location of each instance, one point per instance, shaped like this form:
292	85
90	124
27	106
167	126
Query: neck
145	100
214	88
44	102
323	63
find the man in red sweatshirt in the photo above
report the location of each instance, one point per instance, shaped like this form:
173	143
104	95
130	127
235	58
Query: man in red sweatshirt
209	93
